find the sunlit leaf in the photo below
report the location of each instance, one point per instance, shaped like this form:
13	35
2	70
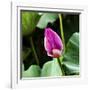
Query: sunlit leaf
71	56
33	71
51	68
45	19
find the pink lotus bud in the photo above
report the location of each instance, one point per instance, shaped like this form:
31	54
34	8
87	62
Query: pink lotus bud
53	43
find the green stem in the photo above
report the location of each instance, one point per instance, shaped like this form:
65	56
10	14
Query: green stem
59	62
34	52
61	31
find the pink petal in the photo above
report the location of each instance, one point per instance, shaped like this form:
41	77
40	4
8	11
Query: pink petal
53	38
47	45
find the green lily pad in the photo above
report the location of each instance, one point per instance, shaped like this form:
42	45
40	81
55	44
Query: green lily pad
45	19
51	68
71	56
28	22
33	71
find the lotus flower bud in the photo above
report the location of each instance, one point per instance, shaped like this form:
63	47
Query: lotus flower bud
52	43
